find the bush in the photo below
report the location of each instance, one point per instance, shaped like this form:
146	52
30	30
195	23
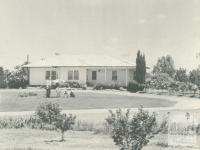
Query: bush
14	82
159	81
135	87
131	133
17	78
48	112
72	84
58	83
103	86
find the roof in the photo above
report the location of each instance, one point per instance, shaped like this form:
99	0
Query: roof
81	61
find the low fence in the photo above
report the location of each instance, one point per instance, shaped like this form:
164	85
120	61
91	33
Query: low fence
172	92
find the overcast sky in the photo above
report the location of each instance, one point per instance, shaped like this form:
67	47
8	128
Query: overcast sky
114	27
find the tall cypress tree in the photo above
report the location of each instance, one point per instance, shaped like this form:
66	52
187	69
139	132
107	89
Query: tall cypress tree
140	68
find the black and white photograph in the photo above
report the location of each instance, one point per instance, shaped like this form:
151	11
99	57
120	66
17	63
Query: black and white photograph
99	74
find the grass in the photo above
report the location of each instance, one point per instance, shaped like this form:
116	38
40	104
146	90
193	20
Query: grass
25	139
11	101
29	139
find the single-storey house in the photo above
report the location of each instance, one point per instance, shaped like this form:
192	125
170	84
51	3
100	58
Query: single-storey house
84	69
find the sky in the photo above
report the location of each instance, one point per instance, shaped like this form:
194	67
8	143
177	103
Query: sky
118	28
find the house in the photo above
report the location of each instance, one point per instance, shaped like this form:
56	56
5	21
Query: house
84	69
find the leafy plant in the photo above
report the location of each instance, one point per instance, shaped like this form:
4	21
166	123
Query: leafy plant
134	86
159	81
103	86
50	113
64	122
131	133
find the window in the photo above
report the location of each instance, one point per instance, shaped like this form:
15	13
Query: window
76	75
47	75
94	75
114	75
50	75
70	75
53	75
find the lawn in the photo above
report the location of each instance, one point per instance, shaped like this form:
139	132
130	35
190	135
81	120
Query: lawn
25	139
28	139
10	101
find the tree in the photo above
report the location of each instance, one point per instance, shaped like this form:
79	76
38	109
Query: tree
18	78
194	76
140	68
2	78
165	65
181	75
64	122
131	132
50	113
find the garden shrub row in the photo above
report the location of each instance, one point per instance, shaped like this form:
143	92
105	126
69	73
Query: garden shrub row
66	84
103	86
135	87
163	81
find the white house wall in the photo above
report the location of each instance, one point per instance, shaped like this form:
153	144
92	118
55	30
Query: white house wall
105	76
124	75
37	75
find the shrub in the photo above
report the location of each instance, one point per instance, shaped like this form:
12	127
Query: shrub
131	133
58	83
98	87
72	84
15	82
48	112
17	78
159	81
135	87
103	86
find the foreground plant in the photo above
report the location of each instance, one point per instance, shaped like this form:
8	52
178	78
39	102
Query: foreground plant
131	133
50	113
64	122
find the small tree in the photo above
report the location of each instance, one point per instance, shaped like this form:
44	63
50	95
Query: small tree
140	68
64	122
131	133
50	113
